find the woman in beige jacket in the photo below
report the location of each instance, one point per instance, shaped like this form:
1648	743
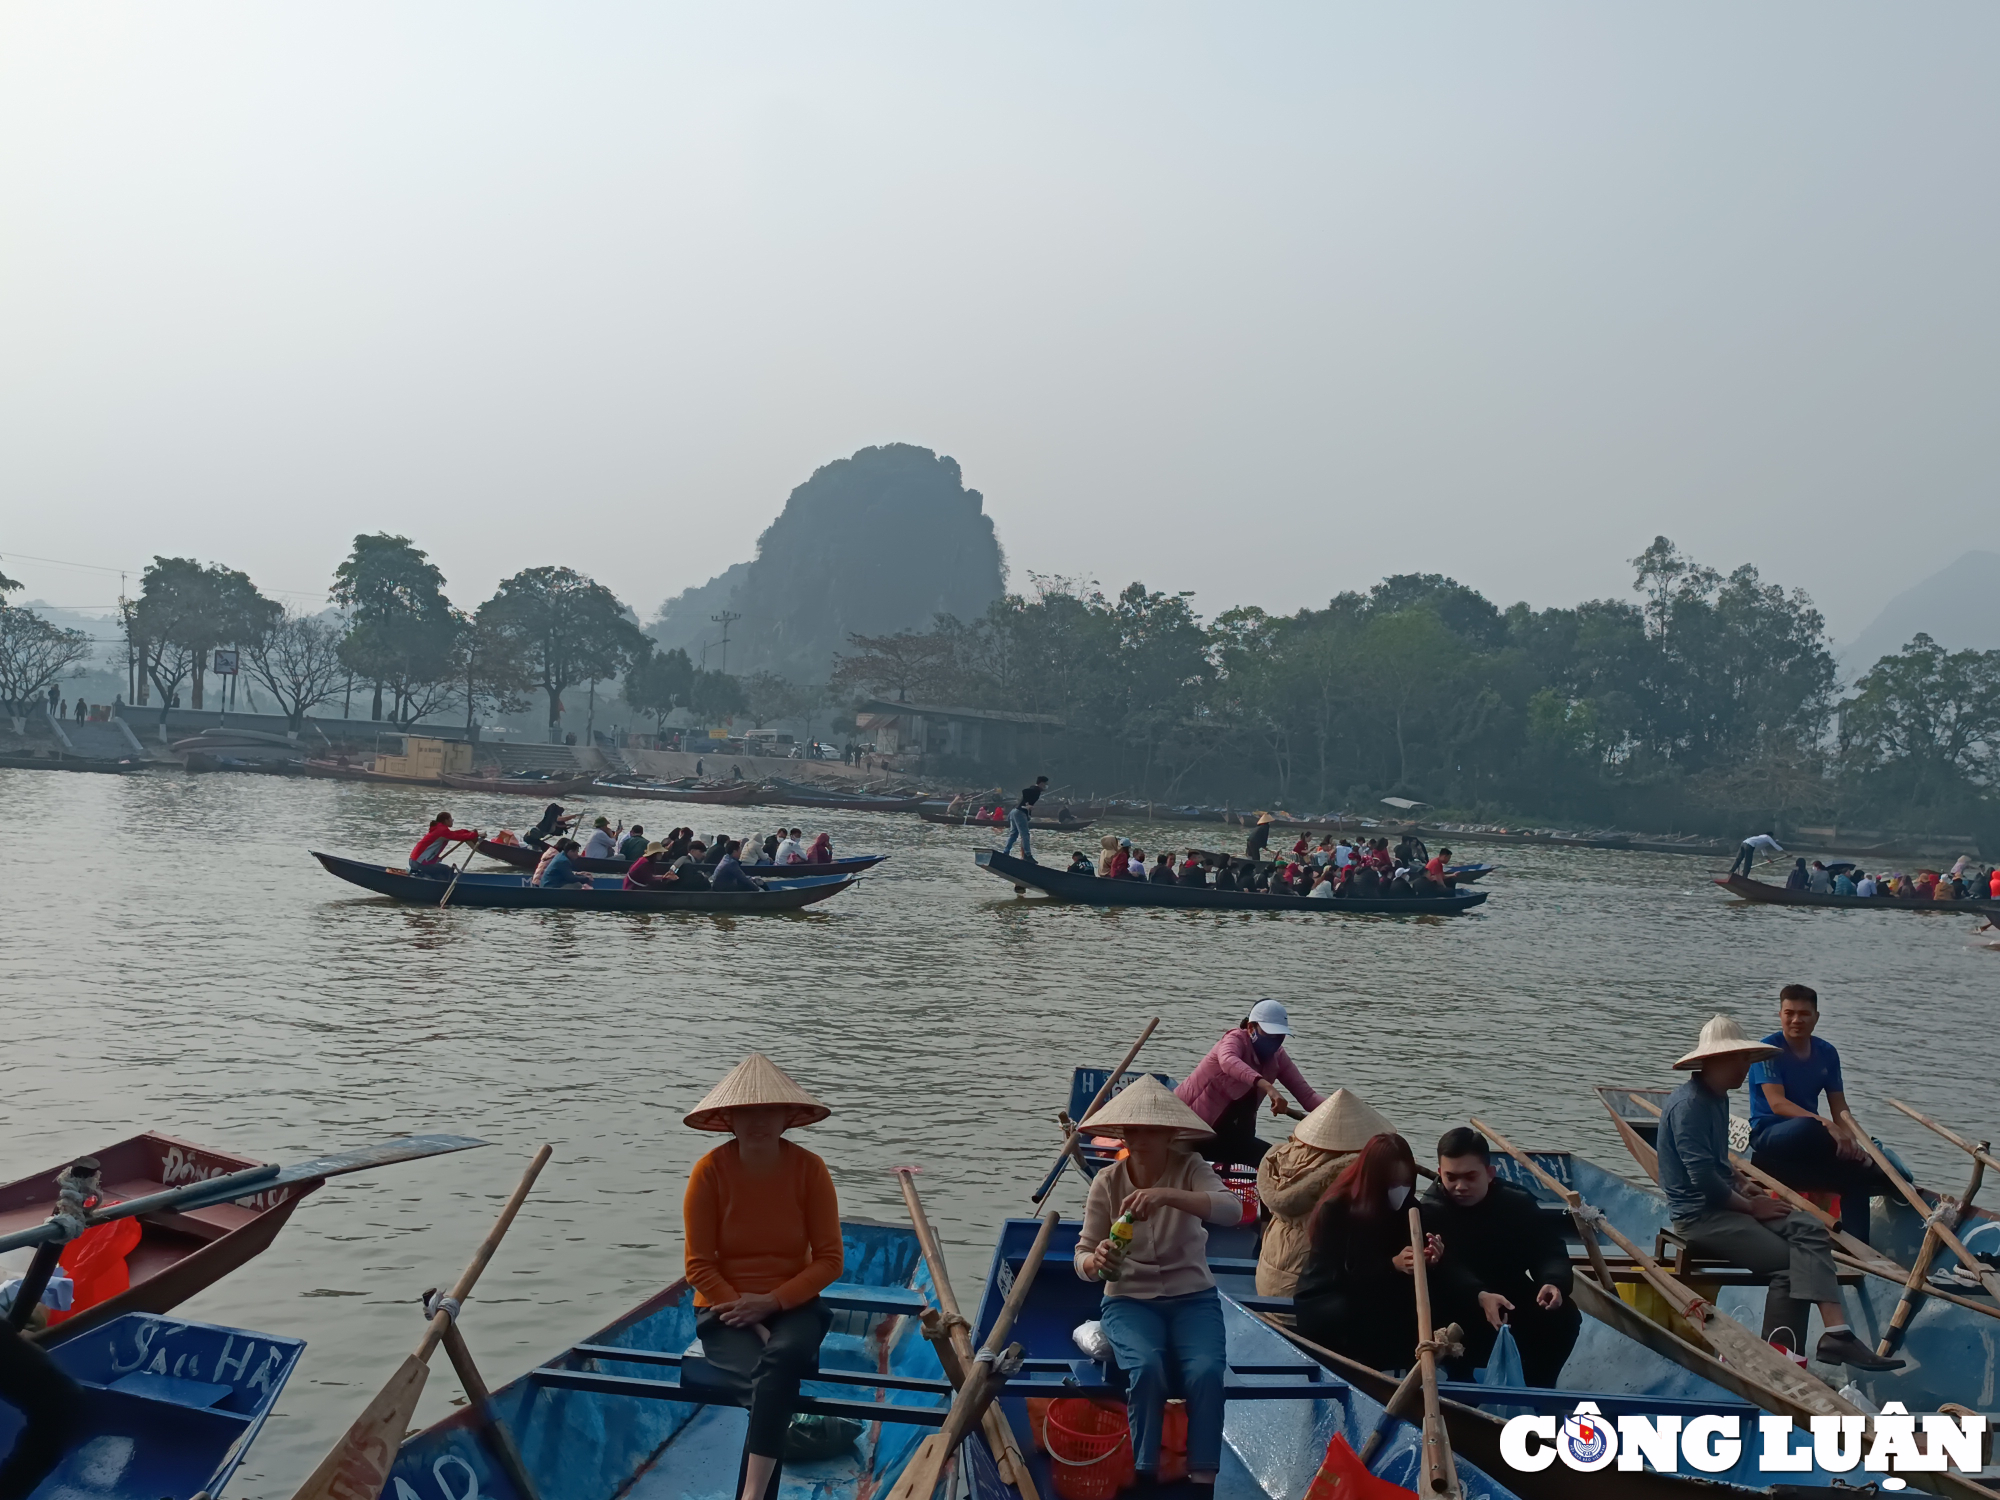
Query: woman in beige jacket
1296	1172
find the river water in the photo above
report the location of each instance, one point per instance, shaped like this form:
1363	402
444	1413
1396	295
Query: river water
173	960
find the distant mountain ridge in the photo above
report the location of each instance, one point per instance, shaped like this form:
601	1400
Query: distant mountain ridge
883	541
1953	607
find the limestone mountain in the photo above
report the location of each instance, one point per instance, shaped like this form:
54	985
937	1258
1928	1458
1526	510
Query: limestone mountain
884	541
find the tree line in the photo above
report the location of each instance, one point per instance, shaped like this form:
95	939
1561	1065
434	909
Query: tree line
1708	699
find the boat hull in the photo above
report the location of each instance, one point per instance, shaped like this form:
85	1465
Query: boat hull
1089	890
169	1407
727	796
514	891
1039	825
522	857
179	1254
520	786
330	770
842	804
1766	894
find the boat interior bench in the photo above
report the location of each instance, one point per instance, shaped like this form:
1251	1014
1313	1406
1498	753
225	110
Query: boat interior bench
1671	1251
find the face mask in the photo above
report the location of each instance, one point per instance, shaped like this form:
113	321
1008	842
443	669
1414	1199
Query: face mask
1398	1196
1266	1045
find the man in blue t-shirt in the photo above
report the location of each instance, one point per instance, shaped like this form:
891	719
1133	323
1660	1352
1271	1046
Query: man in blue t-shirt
1789	1137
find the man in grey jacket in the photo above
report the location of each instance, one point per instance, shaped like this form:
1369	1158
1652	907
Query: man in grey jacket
1726	1218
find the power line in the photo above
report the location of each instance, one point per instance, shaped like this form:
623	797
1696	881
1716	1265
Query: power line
57	562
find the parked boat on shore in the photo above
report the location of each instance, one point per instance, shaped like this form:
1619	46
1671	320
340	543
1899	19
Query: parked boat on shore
340	770
689	790
527	786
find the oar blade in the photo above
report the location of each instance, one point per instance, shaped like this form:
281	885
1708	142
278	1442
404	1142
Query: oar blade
358	1466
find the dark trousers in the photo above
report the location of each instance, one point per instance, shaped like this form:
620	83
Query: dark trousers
1746	857
51	1404
773	1369
1544	1339
1236	1139
1801	1154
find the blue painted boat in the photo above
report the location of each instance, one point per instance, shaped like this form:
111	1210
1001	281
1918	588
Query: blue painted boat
1283	1409
1619	1365
628	1412
170	1407
604	893
1090	890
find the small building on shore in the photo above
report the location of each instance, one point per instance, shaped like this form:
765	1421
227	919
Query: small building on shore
934	729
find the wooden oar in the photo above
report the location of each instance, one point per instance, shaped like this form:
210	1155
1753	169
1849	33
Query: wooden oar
1933	1219
1780	1384
999	1431
1110	1086
1440	1473
358	1466
920	1476
1855	1253
1981	1152
470	850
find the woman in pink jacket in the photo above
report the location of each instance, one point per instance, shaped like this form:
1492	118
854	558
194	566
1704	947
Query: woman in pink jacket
1239	1072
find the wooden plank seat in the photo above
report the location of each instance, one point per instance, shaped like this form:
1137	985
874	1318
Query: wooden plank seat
1672	1252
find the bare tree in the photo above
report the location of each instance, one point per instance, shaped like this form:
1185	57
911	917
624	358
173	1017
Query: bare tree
34	654
298	659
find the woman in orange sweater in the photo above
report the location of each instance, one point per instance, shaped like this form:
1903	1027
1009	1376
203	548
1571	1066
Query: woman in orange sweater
763	1241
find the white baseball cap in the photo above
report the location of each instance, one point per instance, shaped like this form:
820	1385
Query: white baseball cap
1272	1017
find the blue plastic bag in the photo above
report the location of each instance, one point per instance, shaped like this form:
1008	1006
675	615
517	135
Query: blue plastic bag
1503	1370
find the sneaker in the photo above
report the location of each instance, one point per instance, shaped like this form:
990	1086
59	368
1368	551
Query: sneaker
1846	1349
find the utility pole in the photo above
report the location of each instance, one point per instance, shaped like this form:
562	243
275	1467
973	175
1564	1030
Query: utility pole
725	620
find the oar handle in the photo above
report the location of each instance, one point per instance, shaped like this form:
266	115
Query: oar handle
462	1288
1110	1084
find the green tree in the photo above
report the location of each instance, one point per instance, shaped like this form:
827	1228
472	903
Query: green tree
401	628
658	682
1927	720
572	630
185	611
489	668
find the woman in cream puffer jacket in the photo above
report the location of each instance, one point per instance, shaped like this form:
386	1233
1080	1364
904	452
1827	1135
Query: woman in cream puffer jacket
1295	1174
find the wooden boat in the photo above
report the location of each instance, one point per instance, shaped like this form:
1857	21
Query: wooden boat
68	763
181	1252
1767	894
210	760
968	820
634	1410
734	795
1091	891
170	1407
792	794
604	893
522	857
338	770
527	786
1468	874
1282	1406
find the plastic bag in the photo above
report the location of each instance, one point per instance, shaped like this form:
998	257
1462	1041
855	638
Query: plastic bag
1090	1338
811	1436
1503	1371
1342	1477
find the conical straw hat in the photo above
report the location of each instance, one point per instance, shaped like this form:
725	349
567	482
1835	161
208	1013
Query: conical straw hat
1722	1037
1148	1102
1344	1122
755	1080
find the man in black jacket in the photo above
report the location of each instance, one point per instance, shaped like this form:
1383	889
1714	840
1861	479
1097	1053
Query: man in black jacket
1505	1261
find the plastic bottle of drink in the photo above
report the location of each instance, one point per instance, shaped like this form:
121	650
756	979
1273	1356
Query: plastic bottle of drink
1120	1237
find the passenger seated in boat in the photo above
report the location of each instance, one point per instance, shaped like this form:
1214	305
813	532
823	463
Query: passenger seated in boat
1798	877
633	844
1237	1075
1225	875
1725	1218
1193	870
762	1225
821	852
1107	852
729	874
651	871
1121	860
687	867
1079	864
1135	867
551	824
602	841
790	850
1295	1174
1160	1302
1162	872
1789	1138
1506	1262
1357	1293
558	870
1843	884
427	858
1322	886
1865	884
1819	881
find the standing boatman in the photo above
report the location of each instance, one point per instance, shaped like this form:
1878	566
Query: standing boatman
1024	814
1752	846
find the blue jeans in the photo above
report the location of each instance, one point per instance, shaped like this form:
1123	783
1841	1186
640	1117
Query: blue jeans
1146	1332
1017	828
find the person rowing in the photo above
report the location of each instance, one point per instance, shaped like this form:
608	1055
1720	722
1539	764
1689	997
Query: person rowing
552	824
1239	1071
652	870
428	856
1757	843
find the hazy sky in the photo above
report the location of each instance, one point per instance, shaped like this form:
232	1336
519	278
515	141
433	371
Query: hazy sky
1263	302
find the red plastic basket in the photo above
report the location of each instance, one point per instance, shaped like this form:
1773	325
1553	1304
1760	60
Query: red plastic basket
1089	1448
